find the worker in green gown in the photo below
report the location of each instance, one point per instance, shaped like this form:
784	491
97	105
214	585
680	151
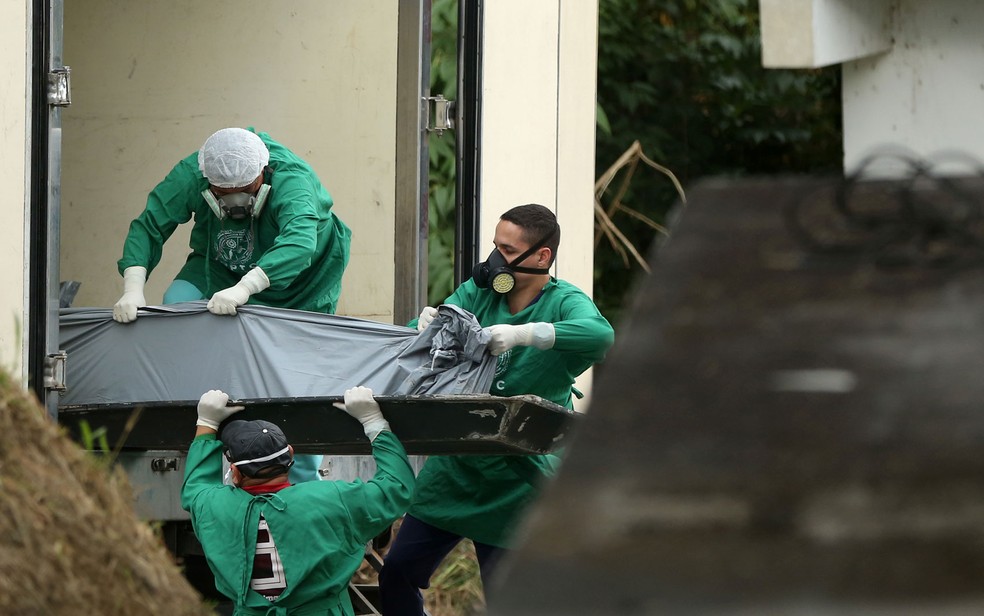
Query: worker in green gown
264	233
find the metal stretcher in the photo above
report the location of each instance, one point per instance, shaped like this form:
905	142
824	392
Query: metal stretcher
426	425
140	382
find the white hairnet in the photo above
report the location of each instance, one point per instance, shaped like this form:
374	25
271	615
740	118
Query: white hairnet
232	158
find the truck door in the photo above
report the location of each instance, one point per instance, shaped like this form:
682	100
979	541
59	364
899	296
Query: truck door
50	93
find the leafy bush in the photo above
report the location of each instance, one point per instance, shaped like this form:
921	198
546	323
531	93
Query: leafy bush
441	206
685	78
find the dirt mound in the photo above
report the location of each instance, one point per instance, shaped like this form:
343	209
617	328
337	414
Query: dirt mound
70	542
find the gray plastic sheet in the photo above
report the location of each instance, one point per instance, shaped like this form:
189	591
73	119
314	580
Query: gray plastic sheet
178	352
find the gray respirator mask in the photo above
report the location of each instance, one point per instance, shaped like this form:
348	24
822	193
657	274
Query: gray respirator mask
238	205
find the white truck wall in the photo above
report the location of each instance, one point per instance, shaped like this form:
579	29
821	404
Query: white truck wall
926	95
812	33
538	123
15	46
913	73
152	80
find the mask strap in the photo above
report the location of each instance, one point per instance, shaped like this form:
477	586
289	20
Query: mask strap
212	203
529	251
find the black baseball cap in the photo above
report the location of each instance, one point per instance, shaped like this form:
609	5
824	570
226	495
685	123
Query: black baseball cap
258	448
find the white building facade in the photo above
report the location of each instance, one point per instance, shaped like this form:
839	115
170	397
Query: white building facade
913	70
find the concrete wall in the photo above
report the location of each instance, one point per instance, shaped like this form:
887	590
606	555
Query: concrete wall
913	72
151	80
927	94
15	59
538	131
812	33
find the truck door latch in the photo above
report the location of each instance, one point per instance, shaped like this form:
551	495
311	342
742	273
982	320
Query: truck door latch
440	114
160	465
60	87
54	371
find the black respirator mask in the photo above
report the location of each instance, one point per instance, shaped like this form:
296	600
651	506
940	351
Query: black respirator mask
499	275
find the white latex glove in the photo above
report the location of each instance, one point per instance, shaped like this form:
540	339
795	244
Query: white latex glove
134	278
505	337
227	300
212	409
426	316
360	404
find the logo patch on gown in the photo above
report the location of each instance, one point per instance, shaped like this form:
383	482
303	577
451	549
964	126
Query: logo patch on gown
501	366
234	249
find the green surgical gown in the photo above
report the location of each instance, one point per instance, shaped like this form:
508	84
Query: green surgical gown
320	527
298	242
483	497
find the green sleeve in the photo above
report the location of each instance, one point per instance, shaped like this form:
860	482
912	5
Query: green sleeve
582	330
533	469
169	204
298	218
203	469
376	504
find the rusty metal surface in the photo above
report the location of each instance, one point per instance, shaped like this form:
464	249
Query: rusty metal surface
427	425
775	432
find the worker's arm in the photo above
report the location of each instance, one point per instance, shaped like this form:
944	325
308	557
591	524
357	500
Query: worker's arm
213	409
300	211
534	469
427	316
228	300
203	467
379	502
589	336
125	309
376	504
581	330
169	204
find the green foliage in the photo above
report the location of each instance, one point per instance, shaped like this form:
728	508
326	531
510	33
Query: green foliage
93	440
685	78
441	205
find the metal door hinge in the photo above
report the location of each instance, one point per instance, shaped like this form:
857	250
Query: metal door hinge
60	87
440	114
54	371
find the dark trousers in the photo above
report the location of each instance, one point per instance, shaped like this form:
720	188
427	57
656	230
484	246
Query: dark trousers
417	551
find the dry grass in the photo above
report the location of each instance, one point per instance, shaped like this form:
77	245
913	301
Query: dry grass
70	542
456	587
